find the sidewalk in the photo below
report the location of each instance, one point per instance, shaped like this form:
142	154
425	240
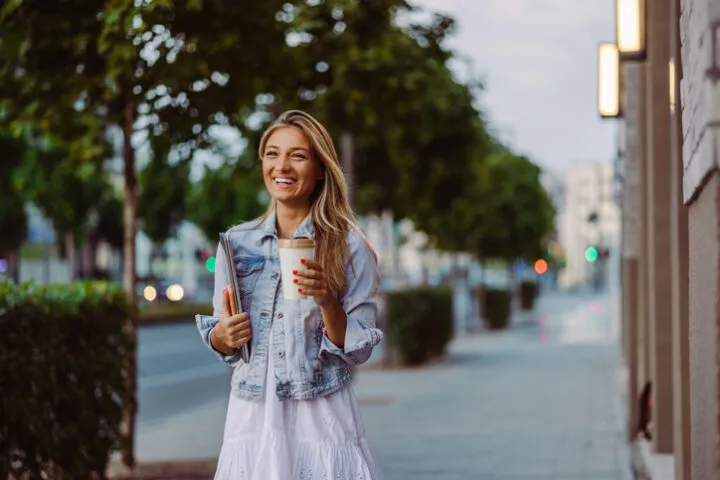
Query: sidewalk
539	401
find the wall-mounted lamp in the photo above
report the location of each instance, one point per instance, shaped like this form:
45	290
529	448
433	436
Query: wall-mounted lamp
631	29
672	80
609	81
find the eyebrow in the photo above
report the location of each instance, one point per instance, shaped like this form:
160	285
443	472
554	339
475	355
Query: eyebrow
291	149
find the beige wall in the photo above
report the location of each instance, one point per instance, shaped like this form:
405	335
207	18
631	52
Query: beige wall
700	88
703	302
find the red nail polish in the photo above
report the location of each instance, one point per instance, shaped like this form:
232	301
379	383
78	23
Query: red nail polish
294	272
302	260
295	280
300	290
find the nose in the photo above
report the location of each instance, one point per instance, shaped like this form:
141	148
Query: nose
284	163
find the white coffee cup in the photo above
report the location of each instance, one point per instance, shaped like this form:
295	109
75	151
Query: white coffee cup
291	252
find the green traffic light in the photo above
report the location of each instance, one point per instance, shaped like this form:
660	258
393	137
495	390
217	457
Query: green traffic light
210	264
591	254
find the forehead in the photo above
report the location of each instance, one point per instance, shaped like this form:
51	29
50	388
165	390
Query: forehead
288	137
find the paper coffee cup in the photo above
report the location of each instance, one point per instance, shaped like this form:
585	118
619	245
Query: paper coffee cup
291	252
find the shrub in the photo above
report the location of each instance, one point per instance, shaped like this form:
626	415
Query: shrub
528	293
419	323
63	362
496	308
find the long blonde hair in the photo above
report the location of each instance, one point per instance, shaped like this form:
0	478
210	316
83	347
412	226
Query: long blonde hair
330	211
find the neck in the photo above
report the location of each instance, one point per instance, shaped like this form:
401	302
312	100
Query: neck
289	218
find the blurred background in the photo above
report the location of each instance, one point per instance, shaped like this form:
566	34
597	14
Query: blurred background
479	168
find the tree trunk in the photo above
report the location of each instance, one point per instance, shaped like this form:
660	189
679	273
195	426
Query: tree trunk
71	253
129	277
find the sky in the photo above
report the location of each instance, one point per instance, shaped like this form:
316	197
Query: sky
538	61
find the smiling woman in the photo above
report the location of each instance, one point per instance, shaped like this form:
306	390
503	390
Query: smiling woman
293	413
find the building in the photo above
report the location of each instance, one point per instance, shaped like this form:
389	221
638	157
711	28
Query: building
589	218
661	79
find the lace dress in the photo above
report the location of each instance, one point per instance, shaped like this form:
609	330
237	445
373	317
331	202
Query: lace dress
321	439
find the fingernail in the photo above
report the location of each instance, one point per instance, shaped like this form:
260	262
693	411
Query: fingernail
299	290
294	272
302	260
295	280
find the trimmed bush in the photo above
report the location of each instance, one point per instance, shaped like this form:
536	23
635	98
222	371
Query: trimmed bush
419	323
528	293
63	362
496	308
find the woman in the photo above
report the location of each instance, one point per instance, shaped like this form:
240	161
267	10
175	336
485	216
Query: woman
292	412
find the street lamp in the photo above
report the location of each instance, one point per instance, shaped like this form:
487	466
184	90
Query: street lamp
631	29
609	81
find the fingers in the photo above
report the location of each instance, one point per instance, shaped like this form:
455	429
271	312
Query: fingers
313	292
238	320
311	264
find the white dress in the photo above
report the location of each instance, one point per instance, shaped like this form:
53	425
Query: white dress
320	439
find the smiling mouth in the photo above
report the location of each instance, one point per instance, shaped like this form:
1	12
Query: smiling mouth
283	181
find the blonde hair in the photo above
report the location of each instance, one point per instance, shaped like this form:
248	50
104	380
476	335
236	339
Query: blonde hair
330	211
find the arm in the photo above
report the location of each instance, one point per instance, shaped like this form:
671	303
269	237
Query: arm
351	319
206	324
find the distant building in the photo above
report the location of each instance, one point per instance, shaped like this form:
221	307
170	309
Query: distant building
590	218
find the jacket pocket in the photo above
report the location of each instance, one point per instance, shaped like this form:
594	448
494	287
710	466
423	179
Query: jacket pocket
249	269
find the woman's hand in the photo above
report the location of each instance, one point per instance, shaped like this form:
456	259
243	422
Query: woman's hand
311	281
232	331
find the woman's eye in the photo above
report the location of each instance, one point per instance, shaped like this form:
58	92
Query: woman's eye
270	154
299	156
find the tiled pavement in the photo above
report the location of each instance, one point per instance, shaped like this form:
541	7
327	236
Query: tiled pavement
530	403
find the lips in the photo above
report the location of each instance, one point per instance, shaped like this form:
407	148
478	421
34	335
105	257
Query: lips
284	180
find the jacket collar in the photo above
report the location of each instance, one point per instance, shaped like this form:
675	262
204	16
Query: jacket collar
305	230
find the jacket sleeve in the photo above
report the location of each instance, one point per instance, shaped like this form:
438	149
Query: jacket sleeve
360	302
206	323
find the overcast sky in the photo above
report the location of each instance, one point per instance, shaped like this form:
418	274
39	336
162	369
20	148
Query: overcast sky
538	59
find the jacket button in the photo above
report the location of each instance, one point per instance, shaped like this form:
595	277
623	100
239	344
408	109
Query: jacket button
280	315
275	276
281	354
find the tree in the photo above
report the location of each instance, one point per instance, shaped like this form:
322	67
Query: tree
75	68
13	219
510	215
227	196
164	187
66	193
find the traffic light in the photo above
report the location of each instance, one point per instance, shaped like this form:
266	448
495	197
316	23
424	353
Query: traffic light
591	254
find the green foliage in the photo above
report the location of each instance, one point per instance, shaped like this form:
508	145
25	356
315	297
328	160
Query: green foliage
63	357
13	219
496	307
225	197
529	291
66	193
420	323
164	188
509	215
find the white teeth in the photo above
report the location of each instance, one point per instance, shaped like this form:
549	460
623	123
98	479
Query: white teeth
284	180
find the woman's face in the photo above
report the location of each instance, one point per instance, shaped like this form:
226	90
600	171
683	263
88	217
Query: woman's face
289	170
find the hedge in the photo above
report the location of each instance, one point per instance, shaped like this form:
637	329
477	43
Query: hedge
496	308
419	323
529	291
63	366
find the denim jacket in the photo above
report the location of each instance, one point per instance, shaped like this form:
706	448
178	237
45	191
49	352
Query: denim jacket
307	364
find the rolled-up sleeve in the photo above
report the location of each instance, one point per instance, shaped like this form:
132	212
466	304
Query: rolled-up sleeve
360	302
206	323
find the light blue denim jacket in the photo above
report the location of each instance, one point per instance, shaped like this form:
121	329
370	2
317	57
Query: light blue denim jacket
307	364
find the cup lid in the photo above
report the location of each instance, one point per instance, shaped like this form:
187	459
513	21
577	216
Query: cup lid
296	243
